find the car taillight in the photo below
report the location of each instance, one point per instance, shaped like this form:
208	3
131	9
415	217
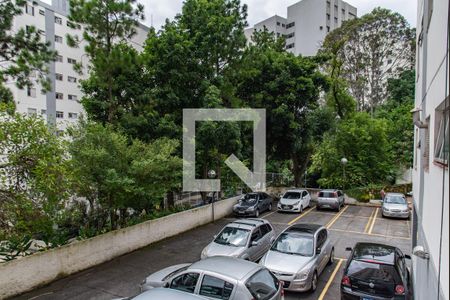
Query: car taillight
399	289
346	281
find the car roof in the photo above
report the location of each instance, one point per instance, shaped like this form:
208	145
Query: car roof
375	252
296	190
248	223
395	194
235	268
329	190
160	293
309	229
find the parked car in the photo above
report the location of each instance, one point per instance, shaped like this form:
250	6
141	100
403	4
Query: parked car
252	204
376	271
219	277
162	293
299	255
248	239
294	201
333	199
395	205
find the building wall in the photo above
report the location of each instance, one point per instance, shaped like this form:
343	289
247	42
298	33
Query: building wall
307	23
51	21
430	177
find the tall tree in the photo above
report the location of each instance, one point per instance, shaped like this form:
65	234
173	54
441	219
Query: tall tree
23	53
106	24
369	50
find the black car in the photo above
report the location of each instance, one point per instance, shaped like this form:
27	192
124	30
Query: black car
376	272
252	204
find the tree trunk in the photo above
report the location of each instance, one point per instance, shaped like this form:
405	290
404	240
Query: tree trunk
170	200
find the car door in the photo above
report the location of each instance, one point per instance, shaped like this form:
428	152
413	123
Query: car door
267	238
255	252
214	286
321	257
307	198
185	282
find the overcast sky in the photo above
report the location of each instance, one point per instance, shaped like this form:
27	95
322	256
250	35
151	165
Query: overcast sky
258	10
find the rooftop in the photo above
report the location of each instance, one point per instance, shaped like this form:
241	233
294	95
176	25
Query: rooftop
231	267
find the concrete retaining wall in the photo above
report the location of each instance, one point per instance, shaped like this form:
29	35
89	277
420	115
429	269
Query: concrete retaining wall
27	273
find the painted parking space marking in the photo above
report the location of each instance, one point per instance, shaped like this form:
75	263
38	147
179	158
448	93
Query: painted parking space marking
366	229
301	216
373	234
330	280
374	218
332	221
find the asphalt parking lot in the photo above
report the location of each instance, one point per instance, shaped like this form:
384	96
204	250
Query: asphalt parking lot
121	277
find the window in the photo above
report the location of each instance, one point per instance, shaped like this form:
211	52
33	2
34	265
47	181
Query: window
335	20
441	143
290	46
256	235
31	111
59	96
278	34
328	5
43	112
72	97
185	282
283	25
290	35
351	16
335	9
426	151
29	10
321	238
215	288
328	28
27	28
59	115
59	58
71	79
58	39
265	229
73	115
292	24
71	60
31	92
59	76
58	20
328	17
42	12
262	285
278	24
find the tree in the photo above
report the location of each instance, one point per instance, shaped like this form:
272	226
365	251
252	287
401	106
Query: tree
106	24
364	142
34	178
22	52
114	173
369	50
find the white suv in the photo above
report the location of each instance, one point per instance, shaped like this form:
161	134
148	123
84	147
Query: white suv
294	201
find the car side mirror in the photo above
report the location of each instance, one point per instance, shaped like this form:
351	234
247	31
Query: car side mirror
254	243
166	285
348	249
407	256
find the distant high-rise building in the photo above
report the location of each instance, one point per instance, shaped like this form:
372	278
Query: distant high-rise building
307	24
62	104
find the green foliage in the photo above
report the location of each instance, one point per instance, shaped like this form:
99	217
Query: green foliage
363	141
14	247
22	52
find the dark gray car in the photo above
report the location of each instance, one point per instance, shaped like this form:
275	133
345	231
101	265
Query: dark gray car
253	204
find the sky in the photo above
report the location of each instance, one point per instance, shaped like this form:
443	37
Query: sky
156	11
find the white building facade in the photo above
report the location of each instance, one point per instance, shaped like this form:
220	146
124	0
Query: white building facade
62	103
307	24
430	238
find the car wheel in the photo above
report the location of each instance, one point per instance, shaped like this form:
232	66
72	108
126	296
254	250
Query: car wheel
338	209
331	261
317	207
257	213
314	282
301	208
270	207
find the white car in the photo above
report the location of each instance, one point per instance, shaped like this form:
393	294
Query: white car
294	201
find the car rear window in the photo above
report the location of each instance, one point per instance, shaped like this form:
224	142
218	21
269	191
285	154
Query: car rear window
327	195
374	271
292	195
262	285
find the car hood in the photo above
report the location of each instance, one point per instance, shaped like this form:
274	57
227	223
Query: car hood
156	279
245	204
289	201
395	206
286	263
215	249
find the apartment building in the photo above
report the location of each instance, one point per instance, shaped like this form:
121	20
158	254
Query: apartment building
307	24
430	238
61	104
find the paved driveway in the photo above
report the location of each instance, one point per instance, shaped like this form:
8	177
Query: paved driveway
122	276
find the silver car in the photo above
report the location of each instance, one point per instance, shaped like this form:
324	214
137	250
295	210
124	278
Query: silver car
162	293
219	277
333	199
248	239
294	201
299	256
395	205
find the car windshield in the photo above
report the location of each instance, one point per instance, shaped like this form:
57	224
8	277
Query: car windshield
292	195
327	195
249	198
395	200
233	236
366	270
294	243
